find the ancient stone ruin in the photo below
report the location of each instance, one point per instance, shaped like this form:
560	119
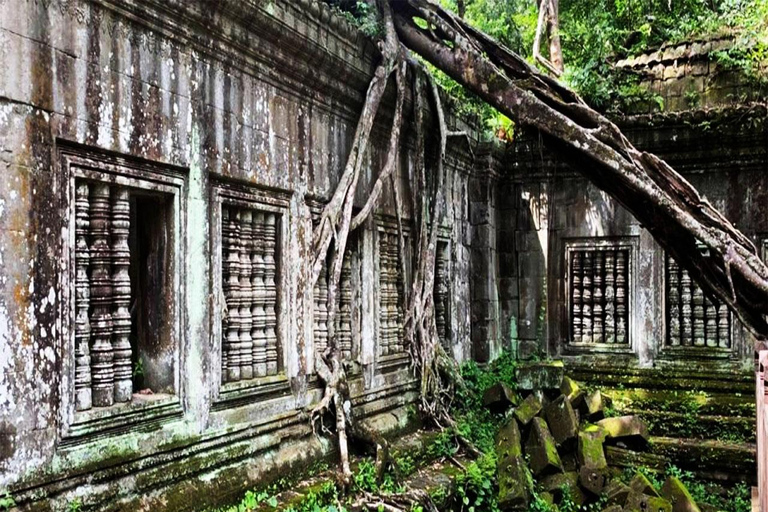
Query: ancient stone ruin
164	164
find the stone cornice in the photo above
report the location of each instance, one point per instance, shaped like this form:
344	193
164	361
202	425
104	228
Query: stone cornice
300	46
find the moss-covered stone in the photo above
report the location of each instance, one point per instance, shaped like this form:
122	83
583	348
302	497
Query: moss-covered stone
629	430
570	388
637	502
540	375
677	493
590	450
562	420
616	492
528	409
641	485
561	483
594	406
592	479
508	440
541	449
500	397
514	483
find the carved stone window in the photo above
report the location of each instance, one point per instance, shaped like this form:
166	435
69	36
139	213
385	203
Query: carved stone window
694	319
249	231
123	241
599	293
391	293
442	292
346	305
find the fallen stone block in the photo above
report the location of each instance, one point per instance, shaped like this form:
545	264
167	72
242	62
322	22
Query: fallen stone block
547	497
570	388
594	405
542	376
508	440
616	492
542	450
564	483
569	459
678	495
643	503
629	431
528	409
593	480
514	483
562	420
500	397
590	451
641	485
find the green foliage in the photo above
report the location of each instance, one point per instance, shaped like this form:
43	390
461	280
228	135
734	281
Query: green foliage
6	501
364	478
361	14
75	505
475	489
325	499
593	33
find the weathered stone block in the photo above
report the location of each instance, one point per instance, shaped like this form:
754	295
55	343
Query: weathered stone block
678	495
508	440
613	508
590	451
527	410
643	503
592	479
514	483
594	405
542	450
562	420
561	483
641	485
570	388
629	430
500	397
616	492
549	375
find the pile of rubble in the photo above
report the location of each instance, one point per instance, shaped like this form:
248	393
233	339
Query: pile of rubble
553	441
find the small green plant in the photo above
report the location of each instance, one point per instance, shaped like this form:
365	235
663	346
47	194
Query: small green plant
475	488
75	505
365	477
138	368
6	501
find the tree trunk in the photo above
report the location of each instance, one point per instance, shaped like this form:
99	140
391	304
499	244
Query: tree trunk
660	198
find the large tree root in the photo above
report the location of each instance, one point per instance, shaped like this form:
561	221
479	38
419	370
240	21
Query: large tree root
661	199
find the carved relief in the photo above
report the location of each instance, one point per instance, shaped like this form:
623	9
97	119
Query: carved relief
693	318
391	295
344	305
83	398
598	296
441	291
249	269
102	354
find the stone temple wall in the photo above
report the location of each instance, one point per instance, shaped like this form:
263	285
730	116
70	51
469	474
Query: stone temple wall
162	166
580	278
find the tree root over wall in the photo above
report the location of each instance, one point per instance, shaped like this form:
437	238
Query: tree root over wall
667	205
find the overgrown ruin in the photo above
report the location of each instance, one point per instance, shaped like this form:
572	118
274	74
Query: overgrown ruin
166	326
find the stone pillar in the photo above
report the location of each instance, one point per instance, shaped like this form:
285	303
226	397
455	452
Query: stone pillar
486	340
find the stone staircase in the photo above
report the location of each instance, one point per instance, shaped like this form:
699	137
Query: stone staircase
699	421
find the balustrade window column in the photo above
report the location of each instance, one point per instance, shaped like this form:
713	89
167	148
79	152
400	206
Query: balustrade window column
249	269
598	296
103	353
693	318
